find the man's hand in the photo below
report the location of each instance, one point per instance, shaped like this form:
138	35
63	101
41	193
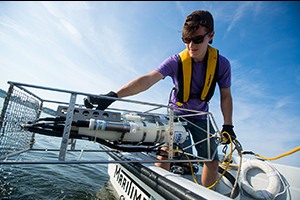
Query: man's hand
227	129
102	103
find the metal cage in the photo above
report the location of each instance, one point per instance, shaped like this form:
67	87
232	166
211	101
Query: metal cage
21	106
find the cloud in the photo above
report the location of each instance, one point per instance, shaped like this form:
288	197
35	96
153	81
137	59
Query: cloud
74	33
244	9
11	25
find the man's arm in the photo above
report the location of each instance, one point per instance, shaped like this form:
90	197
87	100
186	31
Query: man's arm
226	105
136	86
140	84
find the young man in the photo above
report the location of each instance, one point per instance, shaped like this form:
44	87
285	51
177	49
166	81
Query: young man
202	67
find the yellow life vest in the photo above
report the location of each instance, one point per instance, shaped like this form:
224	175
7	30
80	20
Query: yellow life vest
185	75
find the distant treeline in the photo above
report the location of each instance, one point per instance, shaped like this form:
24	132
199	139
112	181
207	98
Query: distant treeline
49	111
2	93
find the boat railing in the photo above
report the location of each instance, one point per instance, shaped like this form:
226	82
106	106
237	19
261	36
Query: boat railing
24	103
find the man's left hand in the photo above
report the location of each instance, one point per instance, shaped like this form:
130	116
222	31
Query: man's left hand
228	129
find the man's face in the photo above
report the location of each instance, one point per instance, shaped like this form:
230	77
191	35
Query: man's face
197	43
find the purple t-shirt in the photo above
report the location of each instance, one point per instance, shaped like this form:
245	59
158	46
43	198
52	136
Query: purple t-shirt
169	67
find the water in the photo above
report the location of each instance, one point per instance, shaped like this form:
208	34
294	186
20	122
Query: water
56	181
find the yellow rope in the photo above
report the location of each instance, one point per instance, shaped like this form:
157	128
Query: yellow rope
192	171
279	156
227	163
190	163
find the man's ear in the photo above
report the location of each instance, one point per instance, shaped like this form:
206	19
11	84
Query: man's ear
211	36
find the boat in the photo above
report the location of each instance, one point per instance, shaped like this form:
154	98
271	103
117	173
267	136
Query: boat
132	135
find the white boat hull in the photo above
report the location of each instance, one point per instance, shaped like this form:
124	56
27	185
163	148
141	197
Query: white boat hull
146	181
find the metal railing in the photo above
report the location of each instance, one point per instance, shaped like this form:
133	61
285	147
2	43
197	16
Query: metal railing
21	106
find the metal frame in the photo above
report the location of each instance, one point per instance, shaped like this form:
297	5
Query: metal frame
71	106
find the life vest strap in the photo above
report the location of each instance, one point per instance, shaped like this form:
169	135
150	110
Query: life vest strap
186	67
210	71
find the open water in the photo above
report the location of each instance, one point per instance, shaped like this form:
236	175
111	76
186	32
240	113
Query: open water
56	181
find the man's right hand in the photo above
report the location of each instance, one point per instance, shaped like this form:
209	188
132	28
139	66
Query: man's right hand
101	103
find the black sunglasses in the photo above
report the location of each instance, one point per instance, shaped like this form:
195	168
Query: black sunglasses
197	40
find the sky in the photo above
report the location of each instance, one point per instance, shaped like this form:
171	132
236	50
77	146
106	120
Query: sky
96	47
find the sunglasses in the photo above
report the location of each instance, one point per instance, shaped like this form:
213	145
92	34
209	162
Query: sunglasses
196	40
